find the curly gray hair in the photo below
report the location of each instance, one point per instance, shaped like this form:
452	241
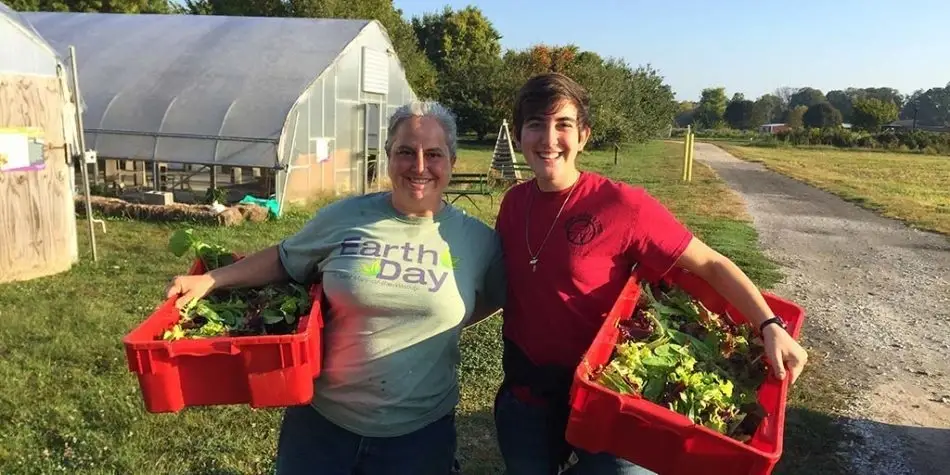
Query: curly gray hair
424	109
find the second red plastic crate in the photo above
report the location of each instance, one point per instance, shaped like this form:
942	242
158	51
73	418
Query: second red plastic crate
657	438
261	371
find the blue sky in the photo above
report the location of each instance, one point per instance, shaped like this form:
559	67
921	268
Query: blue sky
746	46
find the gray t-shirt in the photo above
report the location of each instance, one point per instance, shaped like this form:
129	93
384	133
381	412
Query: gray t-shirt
400	291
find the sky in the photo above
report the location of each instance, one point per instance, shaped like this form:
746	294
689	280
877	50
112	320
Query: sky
746	46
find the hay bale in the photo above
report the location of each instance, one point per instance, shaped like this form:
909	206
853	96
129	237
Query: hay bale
253	213
101	205
173	212
230	217
202	214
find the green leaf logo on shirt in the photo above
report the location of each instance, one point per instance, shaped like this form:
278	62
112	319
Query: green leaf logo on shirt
371	269
447	260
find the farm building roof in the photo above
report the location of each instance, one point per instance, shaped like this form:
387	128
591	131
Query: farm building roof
921	125
193	88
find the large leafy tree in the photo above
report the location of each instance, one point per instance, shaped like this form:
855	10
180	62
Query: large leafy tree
871	113
712	108
464	48
465	35
740	113
843	101
930	107
822	116
796	117
806	96
884	94
626	104
768	109
684	113
650	103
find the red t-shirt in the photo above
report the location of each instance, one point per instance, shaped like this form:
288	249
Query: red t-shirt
554	312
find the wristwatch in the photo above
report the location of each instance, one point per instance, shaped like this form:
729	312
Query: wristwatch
776	320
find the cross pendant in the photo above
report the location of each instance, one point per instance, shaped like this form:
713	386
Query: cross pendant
534	264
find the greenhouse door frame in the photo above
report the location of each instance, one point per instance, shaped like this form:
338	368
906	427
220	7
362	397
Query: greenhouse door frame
374	175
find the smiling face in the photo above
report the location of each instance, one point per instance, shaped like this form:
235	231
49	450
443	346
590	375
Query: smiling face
420	165
550	143
552	126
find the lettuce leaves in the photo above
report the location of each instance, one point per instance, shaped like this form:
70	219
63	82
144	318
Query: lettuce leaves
676	353
272	309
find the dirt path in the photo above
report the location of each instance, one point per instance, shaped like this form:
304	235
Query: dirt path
877	297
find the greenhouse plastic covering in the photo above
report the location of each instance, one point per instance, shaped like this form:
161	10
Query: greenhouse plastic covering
23	49
195	89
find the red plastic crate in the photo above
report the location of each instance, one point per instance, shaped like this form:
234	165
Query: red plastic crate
262	371
658	438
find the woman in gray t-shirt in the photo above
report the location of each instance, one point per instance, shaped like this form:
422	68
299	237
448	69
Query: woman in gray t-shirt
403	272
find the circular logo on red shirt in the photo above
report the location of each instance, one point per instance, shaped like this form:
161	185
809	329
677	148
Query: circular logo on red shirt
582	228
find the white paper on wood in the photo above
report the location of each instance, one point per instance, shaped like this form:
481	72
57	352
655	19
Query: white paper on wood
14	151
322	149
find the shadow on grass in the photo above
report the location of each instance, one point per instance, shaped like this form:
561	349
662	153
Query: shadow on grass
477	444
813	443
810	444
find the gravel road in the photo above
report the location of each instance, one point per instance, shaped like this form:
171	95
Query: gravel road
877	297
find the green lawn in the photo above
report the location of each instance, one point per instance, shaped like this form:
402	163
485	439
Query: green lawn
68	402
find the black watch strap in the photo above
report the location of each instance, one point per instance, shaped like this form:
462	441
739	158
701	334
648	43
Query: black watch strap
776	320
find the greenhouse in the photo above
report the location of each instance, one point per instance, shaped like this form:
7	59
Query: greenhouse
290	107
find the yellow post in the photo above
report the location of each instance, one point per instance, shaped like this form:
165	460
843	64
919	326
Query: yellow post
686	153
691	150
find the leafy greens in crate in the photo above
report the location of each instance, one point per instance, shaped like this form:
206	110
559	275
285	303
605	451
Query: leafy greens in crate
270	310
676	353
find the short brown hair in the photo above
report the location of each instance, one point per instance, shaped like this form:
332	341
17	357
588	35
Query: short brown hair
541	93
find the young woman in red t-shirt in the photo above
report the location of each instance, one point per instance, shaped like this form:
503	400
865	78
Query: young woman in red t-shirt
571	239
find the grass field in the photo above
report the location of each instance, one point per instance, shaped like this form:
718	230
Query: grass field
69	404
911	187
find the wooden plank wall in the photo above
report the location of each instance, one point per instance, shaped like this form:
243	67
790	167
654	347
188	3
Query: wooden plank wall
37	219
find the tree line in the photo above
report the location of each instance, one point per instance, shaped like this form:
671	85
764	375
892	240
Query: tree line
455	57
814	118
866	109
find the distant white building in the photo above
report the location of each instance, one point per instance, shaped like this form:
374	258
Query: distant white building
773	128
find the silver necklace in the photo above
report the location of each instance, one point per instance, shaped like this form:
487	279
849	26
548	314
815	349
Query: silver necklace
527	224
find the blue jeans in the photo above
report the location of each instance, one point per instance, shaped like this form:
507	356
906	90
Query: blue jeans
522	438
310	444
